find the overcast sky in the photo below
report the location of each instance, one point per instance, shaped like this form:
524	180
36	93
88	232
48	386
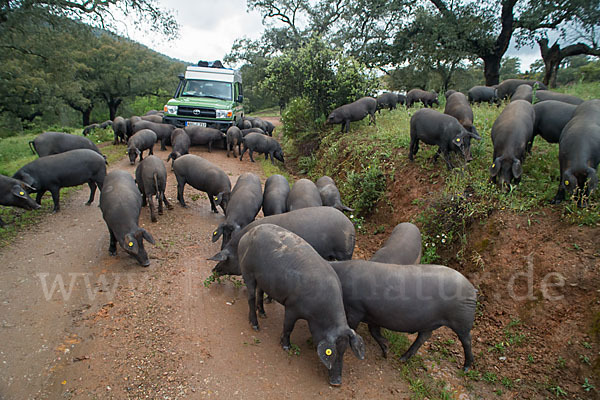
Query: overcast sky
209	28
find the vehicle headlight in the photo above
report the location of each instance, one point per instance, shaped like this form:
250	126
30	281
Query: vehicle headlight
224	113
170	109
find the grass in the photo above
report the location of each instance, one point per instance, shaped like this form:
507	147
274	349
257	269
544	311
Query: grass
15	153
268	112
466	194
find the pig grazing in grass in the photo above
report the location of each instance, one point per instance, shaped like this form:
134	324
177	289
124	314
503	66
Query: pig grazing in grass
71	168
121	203
14	192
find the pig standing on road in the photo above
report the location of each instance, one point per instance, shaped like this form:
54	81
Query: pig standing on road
244	204
140	141
181	144
282	264
277	189
304	194
163	131
205	176
121	204
200	136
261	144
326	229
14	192
67	169
151	178
49	143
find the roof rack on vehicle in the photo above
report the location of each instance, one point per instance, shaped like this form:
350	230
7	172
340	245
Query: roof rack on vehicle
211	64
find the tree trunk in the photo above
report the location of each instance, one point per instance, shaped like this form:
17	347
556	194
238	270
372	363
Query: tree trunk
491	69
113	105
554	55
85	116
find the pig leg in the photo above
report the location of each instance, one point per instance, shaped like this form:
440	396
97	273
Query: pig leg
144	200
288	326
446	156
423	336
272	162
92	186
163	143
413	148
152	209
2	224
38	196
112	247
151	150
243	151
55	198
169	206
180	186
210	146
213	206
267	156
251	287
160	196
465	339
381	341
250	154
260	306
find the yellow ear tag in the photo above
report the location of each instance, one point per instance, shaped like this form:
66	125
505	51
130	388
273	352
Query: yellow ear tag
21	193
216	198
493	165
458	139
130	244
328	352
566	183
215	233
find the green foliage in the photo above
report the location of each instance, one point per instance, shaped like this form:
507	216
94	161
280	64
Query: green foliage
367	185
323	77
85	71
298	123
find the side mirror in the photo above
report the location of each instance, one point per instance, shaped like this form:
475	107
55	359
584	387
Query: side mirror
240	99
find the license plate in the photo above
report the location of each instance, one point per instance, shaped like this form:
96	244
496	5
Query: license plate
192	123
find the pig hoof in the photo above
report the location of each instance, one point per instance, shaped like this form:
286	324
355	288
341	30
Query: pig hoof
336	383
88	203
286	347
112	253
154	219
262	314
255	327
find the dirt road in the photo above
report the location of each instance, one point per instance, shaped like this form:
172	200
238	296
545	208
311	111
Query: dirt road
117	330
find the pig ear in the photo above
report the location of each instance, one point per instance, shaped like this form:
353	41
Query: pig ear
217	233
357	344
473	133
18	191
27	187
146	235
495	167
220	256
517	168
327	353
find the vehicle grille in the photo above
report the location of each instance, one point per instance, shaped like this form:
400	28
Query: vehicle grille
187	111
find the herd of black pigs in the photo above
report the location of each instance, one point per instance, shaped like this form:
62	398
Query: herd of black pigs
300	253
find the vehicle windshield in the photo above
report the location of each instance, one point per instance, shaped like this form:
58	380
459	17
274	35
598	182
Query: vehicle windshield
212	89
